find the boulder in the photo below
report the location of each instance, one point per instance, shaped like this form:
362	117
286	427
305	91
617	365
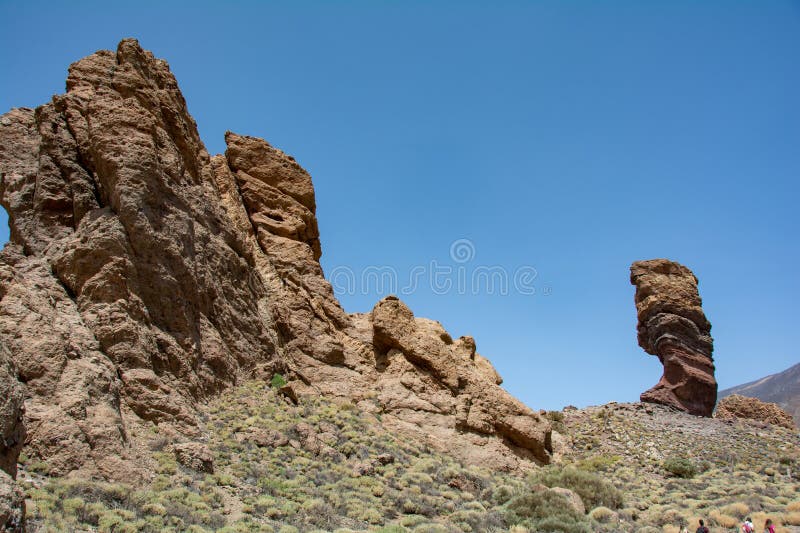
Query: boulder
194	455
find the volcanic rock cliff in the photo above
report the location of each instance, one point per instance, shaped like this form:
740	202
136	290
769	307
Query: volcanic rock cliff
144	276
673	327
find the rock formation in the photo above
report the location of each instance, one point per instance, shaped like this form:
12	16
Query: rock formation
12	436
735	406
144	275
782	388
673	327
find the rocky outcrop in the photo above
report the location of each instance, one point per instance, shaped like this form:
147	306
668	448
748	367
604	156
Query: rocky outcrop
782	388
735	406
12	436
426	377
144	275
12	505
194	455
673	327
12	430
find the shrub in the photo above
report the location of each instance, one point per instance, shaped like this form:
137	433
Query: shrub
599	462
502	494
722	520
277	381
739	510
593	490
392	529
545	511
602	514
680	467
552	524
671	517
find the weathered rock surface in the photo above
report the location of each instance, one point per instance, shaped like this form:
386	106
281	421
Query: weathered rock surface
12	430
194	455
735	406
143	276
12	505
12	437
672	326
421	368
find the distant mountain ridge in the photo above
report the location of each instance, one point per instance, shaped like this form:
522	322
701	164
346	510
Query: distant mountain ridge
782	388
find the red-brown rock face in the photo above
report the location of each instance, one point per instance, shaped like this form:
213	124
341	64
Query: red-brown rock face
673	327
144	275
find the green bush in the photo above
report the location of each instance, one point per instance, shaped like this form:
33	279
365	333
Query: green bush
593	489
680	467
546	511
277	381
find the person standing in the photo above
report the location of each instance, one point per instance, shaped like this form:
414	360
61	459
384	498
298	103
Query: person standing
769	527
702	528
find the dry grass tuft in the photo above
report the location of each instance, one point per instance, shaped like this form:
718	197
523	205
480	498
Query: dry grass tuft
722	520
739	510
792	518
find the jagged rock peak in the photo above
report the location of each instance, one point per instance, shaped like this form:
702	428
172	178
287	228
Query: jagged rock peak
144	276
673	327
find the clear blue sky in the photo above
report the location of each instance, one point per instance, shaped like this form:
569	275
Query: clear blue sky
573	137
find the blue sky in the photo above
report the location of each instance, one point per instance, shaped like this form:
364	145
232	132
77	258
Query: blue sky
569	137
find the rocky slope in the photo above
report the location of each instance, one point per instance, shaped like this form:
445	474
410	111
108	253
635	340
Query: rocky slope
675	468
673	327
782	388
262	463
144	276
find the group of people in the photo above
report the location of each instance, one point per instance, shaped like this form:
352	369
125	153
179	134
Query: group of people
747	527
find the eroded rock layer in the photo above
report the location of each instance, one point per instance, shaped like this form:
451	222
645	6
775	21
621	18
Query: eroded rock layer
673	327
143	276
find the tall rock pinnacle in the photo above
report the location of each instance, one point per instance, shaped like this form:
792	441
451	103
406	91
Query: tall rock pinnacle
673	327
144	276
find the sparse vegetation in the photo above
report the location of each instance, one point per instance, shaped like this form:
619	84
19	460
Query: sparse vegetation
737	469
277	381
593	489
328	466
681	467
547	511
